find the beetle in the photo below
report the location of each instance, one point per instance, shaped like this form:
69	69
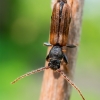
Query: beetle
60	21
58	32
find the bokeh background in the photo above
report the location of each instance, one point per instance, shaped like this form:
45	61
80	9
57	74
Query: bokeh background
24	26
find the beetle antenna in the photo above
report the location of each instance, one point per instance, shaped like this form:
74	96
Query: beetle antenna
62	73
29	73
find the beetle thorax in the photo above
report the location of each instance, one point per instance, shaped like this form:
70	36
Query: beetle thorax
55	55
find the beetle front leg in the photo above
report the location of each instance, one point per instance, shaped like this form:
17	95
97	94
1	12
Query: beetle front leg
65	58
47	58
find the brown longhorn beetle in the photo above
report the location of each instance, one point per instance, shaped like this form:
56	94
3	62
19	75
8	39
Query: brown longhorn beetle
60	21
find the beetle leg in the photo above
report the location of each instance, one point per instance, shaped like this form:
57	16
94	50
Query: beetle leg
47	58
65	58
71	46
47	44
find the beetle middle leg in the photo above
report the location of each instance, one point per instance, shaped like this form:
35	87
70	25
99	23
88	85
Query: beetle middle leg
47	44
71	46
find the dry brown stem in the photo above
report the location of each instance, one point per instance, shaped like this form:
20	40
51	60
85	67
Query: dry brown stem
55	87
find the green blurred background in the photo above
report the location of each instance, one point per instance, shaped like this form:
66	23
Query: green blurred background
24	26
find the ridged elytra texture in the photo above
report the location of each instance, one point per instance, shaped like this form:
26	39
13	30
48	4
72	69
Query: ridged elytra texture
60	24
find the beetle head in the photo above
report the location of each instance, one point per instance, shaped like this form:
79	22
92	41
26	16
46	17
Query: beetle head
54	64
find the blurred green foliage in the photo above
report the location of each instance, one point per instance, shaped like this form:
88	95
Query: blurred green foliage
23	29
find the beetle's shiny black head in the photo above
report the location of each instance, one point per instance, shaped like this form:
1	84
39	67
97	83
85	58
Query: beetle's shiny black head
54	64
